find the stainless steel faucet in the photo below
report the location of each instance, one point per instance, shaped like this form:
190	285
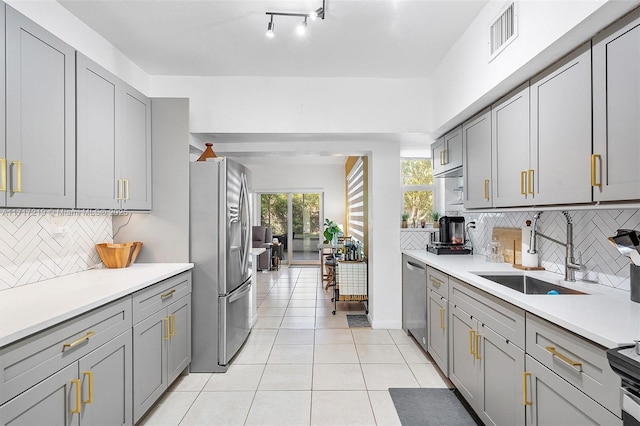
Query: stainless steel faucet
571	265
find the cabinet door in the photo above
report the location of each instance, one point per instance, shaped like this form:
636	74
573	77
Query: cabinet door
463	365
97	184
453	149
149	361
553	401
561	131
50	402
179	345
40	131
106	383
501	369
134	148
616	108
510	150
438	330
437	156
476	148
3	157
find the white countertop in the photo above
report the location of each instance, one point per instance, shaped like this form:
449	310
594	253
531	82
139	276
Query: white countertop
605	315
31	308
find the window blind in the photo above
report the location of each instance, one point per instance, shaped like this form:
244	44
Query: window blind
355	201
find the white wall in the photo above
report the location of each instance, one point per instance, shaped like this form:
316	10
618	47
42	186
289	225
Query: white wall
465	81
300	105
50	15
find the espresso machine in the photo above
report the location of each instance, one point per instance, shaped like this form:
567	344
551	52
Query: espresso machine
450	238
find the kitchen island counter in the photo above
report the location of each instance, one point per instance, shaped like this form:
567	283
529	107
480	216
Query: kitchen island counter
31	308
604	315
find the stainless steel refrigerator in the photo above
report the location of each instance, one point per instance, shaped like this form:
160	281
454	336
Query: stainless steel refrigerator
220	244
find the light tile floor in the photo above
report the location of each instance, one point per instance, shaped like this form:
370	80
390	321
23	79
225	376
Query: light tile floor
301	365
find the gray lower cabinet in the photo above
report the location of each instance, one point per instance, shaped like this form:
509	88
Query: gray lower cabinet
550	400
114	141
476	150
40	117
616	108
162	343
95	390
510	150
560	154
437	323
414	299
463	366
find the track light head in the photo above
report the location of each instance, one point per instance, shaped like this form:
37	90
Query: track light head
302	27
318	13
270	27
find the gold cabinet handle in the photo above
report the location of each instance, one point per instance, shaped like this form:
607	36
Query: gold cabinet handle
172	323
594	181
523	176
18	165
167	335
120	189
486	189
530	181
445	156
167	294
575	364
77	342
3	171
89	375
525	397
78	396
442	318
471	334
477	353
442	157
126	187
436	282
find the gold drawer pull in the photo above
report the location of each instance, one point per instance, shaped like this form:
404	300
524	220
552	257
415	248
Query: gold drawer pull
89	374
18	165
167	294
442	318
3	171
120	189
436	282
167	335
577	365
594	181
77	342
523	176
530	182
486	189
172	323
525	397
78	396
477	354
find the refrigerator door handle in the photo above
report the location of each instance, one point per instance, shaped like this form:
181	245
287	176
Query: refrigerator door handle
238	294
245	220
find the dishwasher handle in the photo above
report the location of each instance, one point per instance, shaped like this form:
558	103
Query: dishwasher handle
414	267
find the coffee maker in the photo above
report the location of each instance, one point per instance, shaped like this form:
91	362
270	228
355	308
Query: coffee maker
451	237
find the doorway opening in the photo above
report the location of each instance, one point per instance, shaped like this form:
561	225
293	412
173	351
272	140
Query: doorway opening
294	218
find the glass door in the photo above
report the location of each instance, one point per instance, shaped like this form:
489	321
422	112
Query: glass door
294	219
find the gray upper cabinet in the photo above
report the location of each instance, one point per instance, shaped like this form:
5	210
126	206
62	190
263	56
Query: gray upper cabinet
561	132
40	116
133	149
616	108
3	157
476	154
446	154
114	141
97	184
510	150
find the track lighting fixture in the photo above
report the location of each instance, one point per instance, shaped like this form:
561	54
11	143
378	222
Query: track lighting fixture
302	27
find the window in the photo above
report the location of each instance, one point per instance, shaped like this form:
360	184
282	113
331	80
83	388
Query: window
417	189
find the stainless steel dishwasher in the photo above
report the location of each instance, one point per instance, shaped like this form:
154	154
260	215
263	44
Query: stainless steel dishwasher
414	299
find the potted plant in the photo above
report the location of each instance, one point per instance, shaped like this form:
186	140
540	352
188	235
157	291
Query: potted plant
435	216
405	217
331	231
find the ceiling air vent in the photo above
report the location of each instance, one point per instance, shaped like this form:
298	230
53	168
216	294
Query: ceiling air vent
503	30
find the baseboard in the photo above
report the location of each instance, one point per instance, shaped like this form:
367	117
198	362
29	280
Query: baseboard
390	325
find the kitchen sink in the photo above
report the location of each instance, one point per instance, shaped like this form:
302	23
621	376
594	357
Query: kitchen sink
529	285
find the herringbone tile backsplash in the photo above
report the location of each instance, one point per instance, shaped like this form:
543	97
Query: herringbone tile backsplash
590	231
38	245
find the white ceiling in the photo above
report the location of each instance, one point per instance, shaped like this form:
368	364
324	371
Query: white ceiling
373	38
358	38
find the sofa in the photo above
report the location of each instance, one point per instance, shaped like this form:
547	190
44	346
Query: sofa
262	239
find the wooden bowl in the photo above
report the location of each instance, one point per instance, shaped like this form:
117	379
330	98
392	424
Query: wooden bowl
118	255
